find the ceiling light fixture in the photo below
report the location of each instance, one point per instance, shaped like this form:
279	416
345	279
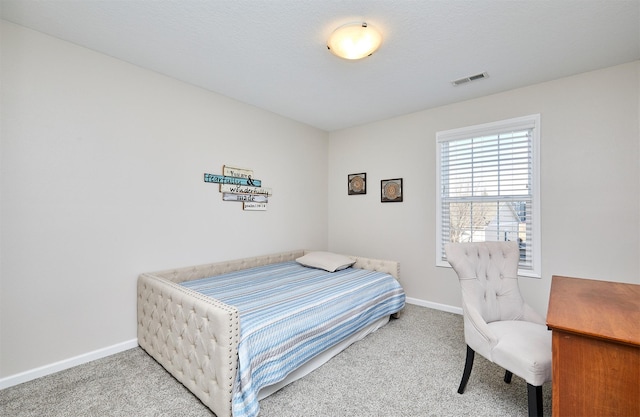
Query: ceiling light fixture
354	40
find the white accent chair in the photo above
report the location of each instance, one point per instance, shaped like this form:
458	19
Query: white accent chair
498	324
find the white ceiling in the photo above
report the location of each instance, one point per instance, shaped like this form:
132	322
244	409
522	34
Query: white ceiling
272	53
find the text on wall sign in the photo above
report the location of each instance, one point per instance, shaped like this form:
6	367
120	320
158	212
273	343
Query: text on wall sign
238	184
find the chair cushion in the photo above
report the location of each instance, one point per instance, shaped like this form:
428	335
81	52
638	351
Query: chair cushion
524	348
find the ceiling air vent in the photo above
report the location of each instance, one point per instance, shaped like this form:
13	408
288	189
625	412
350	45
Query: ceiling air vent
470	78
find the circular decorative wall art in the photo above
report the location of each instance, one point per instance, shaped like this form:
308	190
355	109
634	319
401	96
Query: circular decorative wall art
357	184
391	190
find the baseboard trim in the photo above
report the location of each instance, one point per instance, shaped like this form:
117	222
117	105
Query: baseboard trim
66	364
120	347
435	306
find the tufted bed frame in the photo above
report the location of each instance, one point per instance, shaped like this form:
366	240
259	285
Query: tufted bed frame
195	337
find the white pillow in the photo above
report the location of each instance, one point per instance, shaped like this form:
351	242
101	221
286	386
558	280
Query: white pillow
326	260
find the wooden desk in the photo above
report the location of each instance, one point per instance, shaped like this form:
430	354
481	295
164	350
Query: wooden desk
596	347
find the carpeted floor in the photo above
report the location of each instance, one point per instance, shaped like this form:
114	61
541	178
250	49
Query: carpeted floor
410	367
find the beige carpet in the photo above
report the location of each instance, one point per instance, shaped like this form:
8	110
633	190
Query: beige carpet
410	367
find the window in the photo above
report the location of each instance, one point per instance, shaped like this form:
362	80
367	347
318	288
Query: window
488	182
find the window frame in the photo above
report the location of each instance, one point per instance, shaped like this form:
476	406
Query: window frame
486	129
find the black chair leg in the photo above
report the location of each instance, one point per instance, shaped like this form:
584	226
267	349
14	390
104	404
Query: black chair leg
468	364
534	394
507	376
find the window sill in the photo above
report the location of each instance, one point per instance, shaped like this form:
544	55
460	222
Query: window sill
521	272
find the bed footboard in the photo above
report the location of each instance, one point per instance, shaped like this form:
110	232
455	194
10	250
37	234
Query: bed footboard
193	337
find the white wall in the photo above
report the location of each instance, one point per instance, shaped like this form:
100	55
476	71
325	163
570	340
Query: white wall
102	167
590	183
102	179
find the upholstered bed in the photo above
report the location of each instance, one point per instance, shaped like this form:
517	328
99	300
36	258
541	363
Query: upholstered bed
197	337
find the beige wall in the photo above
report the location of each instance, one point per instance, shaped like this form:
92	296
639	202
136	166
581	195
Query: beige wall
590	183
102	179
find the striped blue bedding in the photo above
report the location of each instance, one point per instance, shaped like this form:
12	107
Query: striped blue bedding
289	313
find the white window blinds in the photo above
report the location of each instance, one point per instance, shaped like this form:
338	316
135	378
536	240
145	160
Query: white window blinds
488	187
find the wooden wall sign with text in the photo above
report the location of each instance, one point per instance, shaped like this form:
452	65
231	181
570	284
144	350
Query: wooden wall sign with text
238	184
255	198
244	189
223	179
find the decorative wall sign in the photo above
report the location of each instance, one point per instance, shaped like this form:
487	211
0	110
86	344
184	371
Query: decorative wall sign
391	190
255	198
238	184
237	172
222	179
357	184
244	189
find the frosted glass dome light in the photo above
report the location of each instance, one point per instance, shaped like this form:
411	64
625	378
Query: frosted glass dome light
354	40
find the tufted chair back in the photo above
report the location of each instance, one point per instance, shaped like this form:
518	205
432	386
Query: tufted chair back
488	274
498	324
